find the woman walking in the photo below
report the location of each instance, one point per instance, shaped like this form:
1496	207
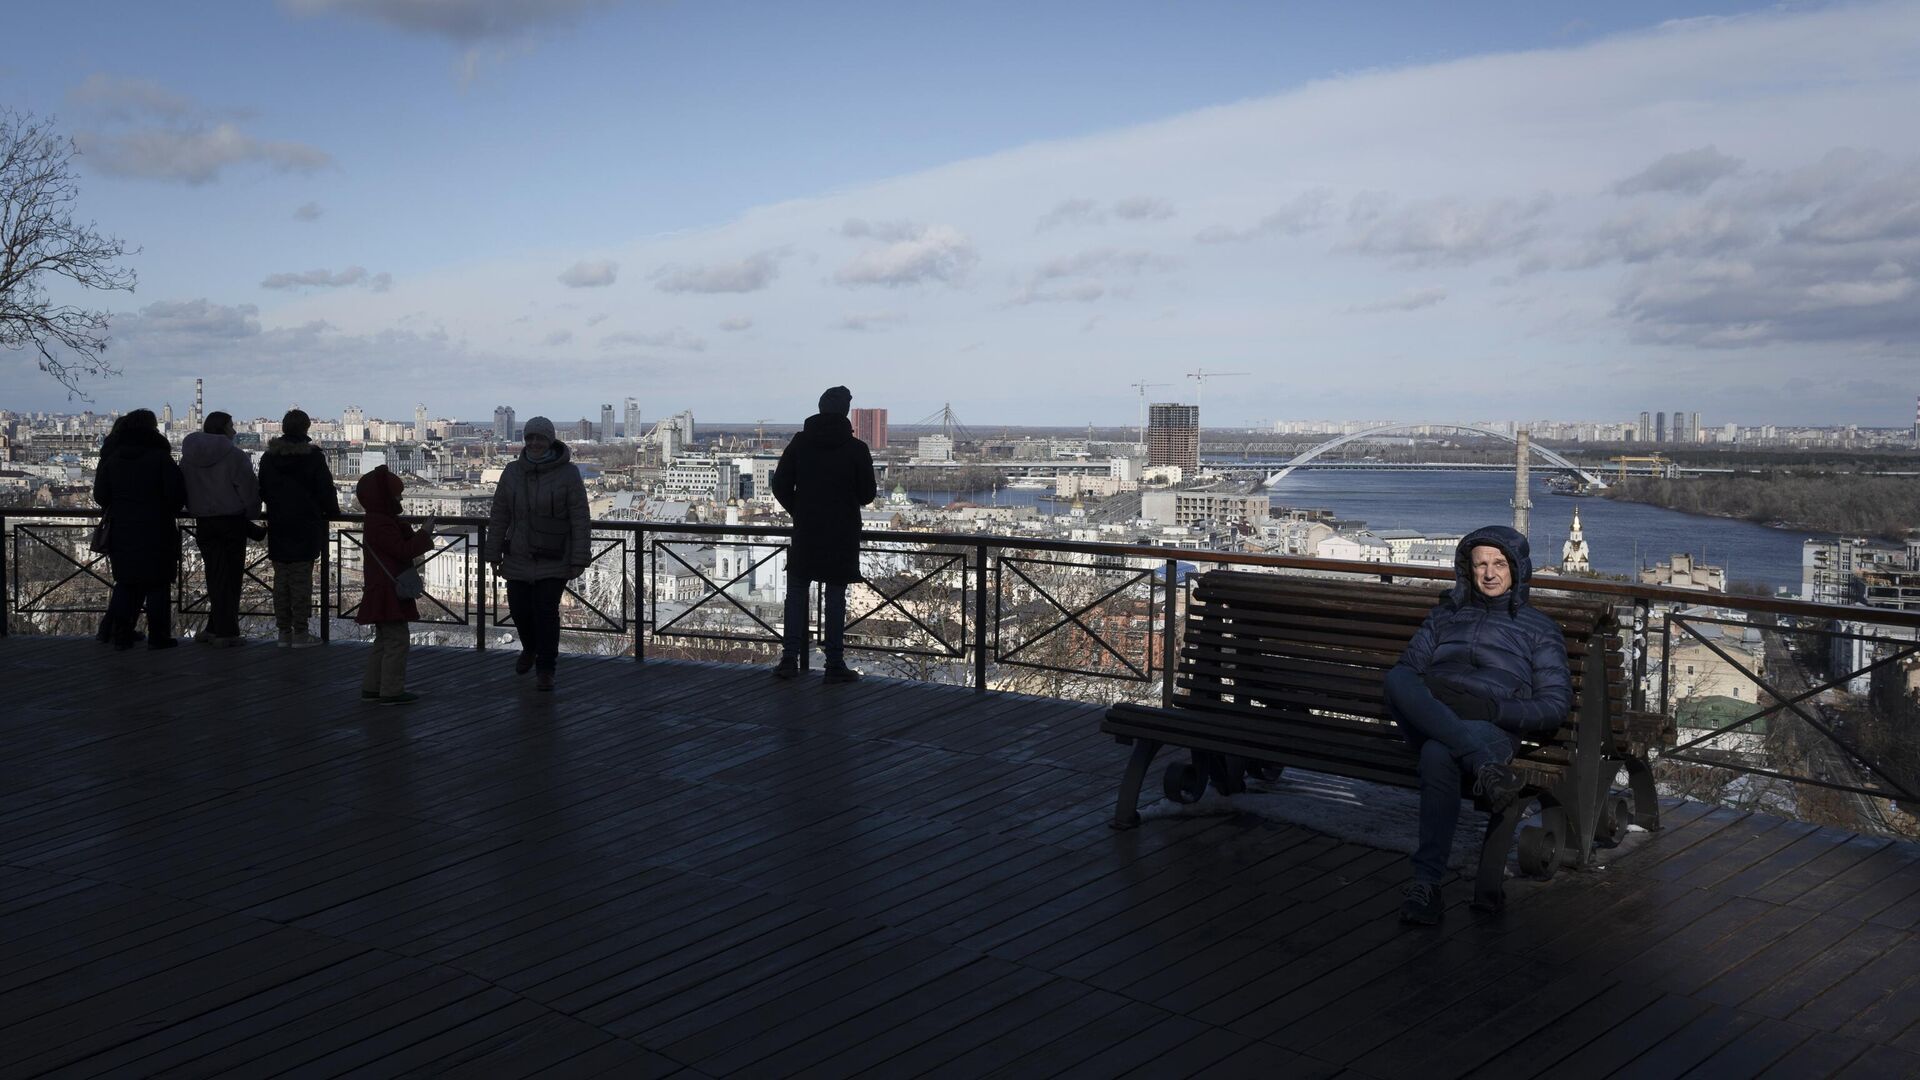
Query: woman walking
539	539
143	491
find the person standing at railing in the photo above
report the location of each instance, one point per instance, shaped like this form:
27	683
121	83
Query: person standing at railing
539	537
389	548
298	490
143	491
824	477
105	634
1485	667
222	496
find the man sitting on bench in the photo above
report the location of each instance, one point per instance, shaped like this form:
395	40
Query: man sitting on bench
1484	668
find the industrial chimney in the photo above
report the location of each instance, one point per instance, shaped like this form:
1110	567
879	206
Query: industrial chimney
1521	502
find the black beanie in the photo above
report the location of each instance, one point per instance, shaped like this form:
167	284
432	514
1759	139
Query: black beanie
836	401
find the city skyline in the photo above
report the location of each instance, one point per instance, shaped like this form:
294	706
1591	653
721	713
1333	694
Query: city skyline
1590	212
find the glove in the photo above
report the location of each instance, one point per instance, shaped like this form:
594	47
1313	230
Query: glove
575	571
1466	706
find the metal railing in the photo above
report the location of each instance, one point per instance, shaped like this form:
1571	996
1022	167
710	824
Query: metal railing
1094	621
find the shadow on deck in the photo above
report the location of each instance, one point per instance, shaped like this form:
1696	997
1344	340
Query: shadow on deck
223	861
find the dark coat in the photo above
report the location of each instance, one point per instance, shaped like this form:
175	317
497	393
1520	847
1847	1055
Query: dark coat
297	488
391	545
824	477
1502	650
544	496
143	491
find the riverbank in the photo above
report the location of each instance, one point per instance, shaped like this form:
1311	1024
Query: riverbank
1884	507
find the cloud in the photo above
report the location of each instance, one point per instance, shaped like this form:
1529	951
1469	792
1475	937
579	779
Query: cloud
675	338
736	324
192	156
308	211
889	231
181	320
1688	172
1075	211
590	274
1094	263
1428	232
869	320
328	279
596	318
1642	234
751	274
1411	301
466	22
1304	213
558	337
123	99
1143	208
930	253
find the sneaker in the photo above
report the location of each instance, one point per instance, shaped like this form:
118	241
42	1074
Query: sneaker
525	663
841	673
285	640
1498	785
543	681
304	640
787	668
1422	905
401	698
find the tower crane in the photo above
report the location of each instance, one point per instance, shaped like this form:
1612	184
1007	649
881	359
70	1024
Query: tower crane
1201	375
1143	386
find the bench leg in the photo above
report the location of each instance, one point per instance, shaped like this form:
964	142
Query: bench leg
1646	800
1489	886
1126	814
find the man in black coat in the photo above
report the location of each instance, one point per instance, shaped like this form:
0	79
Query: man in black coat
143	491
824	477
300	498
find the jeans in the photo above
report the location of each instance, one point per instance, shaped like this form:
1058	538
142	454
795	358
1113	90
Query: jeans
223	546
833	617
123	607
292	596
387	662
535	607
1449	748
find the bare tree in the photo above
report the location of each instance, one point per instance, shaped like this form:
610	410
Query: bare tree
38	238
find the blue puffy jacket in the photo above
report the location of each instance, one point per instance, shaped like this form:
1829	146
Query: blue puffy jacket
1502	650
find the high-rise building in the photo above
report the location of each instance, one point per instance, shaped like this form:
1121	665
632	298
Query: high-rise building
1916	420
1680	427
632	429
1659	427
353	424
870	427
606	423
1173	435
584	430
503	423
420	422
1693	428
1646	427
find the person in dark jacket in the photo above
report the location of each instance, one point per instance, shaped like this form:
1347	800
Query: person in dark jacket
222	496
824	477
540	537
143	492
1484	668
297	488
391	547
105	634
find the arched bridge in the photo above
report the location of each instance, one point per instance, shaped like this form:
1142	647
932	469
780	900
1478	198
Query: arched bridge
1545	454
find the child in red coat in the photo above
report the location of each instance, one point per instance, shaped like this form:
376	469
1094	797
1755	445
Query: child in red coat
391	546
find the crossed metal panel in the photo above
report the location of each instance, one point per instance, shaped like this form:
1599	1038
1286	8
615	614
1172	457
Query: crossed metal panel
343	539
31	536
1142	671
605	622
257	601
770	636
951	645
1893	788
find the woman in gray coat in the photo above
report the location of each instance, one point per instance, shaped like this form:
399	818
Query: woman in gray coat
539	539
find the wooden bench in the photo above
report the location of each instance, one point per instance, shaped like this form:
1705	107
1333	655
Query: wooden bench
1281	670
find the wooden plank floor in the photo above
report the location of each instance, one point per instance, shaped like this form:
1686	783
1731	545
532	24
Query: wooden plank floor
222	863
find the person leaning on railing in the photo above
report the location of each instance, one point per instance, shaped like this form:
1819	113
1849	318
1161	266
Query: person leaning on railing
143	491
297	488
540	537
1485	666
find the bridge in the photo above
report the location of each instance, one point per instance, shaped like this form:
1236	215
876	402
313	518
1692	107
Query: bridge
1552	458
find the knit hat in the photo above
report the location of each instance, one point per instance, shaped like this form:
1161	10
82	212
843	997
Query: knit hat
836	401
539	425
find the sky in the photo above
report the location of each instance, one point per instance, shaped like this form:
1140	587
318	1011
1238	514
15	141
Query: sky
1397	211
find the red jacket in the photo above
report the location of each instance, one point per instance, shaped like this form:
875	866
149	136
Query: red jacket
391	546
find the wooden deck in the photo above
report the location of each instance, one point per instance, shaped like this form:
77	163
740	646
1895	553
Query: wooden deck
221	862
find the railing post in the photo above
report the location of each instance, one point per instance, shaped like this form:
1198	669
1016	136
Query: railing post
6	589
326	584
482	575
1642	612
639	595
1167	636
980	618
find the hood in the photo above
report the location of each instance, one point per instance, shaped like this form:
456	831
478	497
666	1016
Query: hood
204	450
379	491
290	444
562	453
828	430
1511	544
128	445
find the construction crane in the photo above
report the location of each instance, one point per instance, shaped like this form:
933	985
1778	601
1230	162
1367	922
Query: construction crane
760	432
1659	463
1144	386
1201	375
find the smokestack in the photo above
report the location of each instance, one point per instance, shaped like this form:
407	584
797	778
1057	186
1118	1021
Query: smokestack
199	403
1521	503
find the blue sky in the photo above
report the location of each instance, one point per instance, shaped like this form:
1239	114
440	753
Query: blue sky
1017	208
